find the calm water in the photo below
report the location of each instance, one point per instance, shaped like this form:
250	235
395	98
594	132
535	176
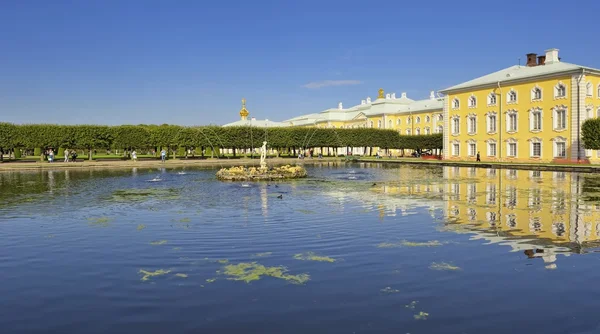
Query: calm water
400	250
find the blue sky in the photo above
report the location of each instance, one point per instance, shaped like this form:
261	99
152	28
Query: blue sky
191	62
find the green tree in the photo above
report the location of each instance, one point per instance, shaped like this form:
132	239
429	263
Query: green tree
590	134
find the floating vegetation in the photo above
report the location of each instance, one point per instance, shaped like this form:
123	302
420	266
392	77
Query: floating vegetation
146	275
50	236
265	254
129	195
223	261
99	221
443	266
252	271
141	227
306	212
185	220
181	275
158	242
412	305
210	280
406	243
310	256
389	290
421	316
176	248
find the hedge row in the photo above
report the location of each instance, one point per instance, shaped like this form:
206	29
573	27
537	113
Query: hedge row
173	137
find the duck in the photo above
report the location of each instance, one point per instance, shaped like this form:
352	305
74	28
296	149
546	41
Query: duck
280	196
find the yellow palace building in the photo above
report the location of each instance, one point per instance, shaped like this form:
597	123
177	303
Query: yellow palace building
529	113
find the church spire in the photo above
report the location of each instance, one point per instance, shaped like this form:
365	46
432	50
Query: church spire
243	112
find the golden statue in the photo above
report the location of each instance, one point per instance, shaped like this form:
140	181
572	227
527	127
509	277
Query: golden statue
243	112
381	96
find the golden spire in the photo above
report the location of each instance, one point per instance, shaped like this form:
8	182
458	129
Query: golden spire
381	96
243	112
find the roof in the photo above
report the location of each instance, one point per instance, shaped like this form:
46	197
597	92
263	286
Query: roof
517	72
265	123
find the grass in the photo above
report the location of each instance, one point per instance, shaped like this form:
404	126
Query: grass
252	271
146	275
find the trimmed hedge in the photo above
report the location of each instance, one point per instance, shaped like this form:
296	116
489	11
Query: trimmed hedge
178	139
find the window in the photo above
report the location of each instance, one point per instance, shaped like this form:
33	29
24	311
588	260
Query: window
472	149
418	120
492	123
560	119
491	194
491	149
536	94
408	120
455	149
536	148
536	120
598	93
511	97
408	131
560	90
456	125
391	124
427	119
398	121
379	124
511	121
492	99
441	129
426	131
561	149
472	124
472	102
589	89
512	149
440	118
371	124
455	104
418	131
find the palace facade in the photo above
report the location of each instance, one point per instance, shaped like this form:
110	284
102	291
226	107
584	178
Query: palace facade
523	113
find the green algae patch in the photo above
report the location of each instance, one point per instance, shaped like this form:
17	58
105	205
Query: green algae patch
181	275
306	212
99	221
310	256
412	305
185	220
146	275
265	254
210	280
252	271
176	248
135	195
389	290
406	243
158	242
443	266
140	227
421	316
223	261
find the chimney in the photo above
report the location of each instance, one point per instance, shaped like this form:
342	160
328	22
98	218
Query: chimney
340	106
551	56
531	59
368	99
388	96
404	94
541	60
393	96
432	95
363	102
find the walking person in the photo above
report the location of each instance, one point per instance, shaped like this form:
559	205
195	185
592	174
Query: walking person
478	156
134	155
51	156
66	154
163	155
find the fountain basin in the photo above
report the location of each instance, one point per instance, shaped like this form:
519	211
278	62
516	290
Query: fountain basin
258	174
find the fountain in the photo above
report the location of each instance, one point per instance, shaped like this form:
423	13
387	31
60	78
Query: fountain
263	172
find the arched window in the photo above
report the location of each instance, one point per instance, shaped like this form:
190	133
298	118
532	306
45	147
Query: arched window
426	131
371	124
598	91
418	119
418	131
560	90
398	121
391	124
427	119
441	129
511	97
536	93
589	89
440	117
472	102
492	99
455	103
379	124
408	131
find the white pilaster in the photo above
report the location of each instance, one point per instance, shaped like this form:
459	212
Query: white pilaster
446	131
577	95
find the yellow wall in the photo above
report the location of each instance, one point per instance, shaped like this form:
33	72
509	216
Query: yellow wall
522	107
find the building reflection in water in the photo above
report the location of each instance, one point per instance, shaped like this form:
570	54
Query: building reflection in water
541	214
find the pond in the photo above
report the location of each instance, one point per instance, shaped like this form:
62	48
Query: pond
354	248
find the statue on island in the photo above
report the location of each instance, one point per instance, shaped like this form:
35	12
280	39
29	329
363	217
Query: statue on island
263	156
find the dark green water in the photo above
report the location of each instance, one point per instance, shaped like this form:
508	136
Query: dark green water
400	250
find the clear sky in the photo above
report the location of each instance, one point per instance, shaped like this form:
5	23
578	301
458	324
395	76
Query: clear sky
191	62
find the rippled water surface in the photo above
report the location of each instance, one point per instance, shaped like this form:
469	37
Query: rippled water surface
358	248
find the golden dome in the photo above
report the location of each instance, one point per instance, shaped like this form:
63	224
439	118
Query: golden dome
243	112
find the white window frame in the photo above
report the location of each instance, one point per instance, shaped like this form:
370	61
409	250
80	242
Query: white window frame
427	119
440	129
418	120
418	131
556	111
492	99
598	91
456	125
509	143
489	122
391	124
510	113
533	141
472	124
471	148
532	113
509	95
455	103
534	91
589	89
492	143
427	131
557	90
558	141
398	122
379	124
408	132
455	148
472	101
371	124
440	117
